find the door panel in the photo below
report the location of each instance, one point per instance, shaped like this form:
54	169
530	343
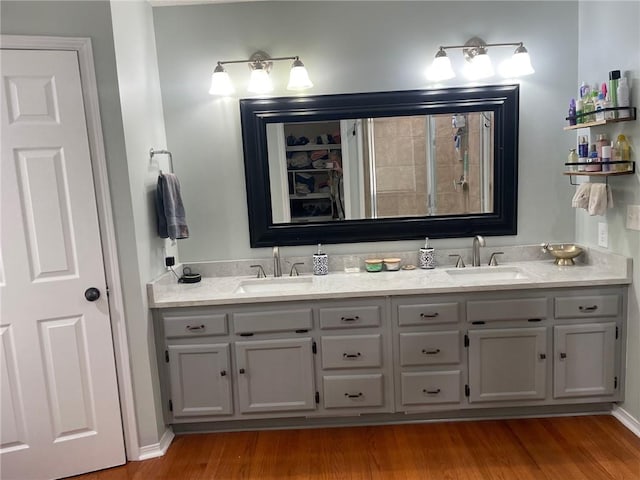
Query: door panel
59	397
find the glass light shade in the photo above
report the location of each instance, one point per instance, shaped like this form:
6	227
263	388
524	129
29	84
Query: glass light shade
299	77
220	83
260	82
521	63
440	69
479	67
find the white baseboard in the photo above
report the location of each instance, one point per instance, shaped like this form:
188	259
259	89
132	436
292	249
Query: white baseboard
156	449
626	419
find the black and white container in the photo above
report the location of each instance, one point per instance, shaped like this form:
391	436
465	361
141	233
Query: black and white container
427	256
320	262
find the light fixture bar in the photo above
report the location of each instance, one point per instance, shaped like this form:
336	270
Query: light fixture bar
513	44
252	60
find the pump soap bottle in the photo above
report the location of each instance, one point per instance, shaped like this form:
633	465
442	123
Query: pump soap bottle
320	262
427	256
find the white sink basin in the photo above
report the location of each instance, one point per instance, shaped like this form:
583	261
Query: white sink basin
487	274
273	285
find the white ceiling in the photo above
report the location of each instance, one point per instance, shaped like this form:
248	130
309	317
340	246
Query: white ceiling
169	3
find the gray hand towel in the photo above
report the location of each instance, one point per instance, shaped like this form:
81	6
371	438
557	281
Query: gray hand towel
170	212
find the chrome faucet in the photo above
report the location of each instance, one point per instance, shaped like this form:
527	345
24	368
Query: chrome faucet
478	241
277	268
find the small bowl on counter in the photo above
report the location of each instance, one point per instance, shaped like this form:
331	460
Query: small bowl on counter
373	265
564	253
392	264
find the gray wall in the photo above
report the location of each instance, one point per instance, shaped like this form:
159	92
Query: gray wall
598	55
355	47
93	19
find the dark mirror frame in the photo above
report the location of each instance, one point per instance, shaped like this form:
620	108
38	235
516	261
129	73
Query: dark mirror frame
255	114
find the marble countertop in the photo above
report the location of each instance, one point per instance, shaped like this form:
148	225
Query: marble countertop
602	269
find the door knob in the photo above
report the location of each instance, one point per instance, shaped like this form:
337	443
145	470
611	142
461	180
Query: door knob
92	294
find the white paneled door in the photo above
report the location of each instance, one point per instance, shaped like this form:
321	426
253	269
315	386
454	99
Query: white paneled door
60	410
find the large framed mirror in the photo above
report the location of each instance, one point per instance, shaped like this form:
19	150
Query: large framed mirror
381	166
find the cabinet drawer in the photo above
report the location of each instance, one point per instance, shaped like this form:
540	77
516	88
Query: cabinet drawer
351	351
422	388
429	348
350	317
516	309
591	306
272	321
353	391
192	325
427	314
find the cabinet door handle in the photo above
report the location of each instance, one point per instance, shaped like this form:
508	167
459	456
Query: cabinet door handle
241	370
351	355
431	392
195	328
433	351
429	315
592	308
223	373
542	356
563	355
353	395
350	319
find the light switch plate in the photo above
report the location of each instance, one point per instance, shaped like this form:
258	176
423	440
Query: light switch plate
633	217
603	235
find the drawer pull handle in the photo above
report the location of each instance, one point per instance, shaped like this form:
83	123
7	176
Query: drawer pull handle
350	319
433	351
353	395
592	308
542	356
534	320
241	370
429	315
195	328
246	334
352	355
563	355
431	392
223	373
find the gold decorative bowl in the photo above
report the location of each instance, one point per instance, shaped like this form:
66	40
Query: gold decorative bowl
563	253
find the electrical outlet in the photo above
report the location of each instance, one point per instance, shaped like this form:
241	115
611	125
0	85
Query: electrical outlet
603	235
633	217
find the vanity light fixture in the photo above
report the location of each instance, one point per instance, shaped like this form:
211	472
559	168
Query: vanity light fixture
260	82
478	64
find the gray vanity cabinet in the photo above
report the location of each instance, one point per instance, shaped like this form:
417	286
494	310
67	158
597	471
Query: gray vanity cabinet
200	380
584	360
507	364
275	375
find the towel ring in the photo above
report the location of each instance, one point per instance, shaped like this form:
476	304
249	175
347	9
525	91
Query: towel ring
153	152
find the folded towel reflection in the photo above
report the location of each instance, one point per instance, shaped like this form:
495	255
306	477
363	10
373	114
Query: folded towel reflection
596	198
170	214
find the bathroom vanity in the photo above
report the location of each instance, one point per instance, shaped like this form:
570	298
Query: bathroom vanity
529	337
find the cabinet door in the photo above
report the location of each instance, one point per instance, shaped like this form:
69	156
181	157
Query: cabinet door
275	375
507	364
584	360
200	380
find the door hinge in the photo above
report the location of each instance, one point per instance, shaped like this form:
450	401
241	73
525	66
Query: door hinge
166	356
314	347
467	391
616	332
615	383
170	406
317	397
466	340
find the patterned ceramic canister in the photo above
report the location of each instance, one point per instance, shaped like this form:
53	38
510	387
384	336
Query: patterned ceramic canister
427	258
320	264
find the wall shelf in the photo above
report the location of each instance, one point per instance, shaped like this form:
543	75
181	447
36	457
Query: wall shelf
631	117
631	169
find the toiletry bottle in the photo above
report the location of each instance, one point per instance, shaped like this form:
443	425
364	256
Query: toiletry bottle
623	98
583	152
427	256
614	77
579	111
594	164
602	141
320	262
600	108
572	112
572	160
623	152
606	157
588	109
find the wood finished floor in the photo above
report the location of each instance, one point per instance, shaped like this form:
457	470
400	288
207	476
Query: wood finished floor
566	448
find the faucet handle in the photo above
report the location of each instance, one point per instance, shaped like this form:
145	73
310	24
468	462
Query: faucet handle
492	261
261	273
459	262
294	271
